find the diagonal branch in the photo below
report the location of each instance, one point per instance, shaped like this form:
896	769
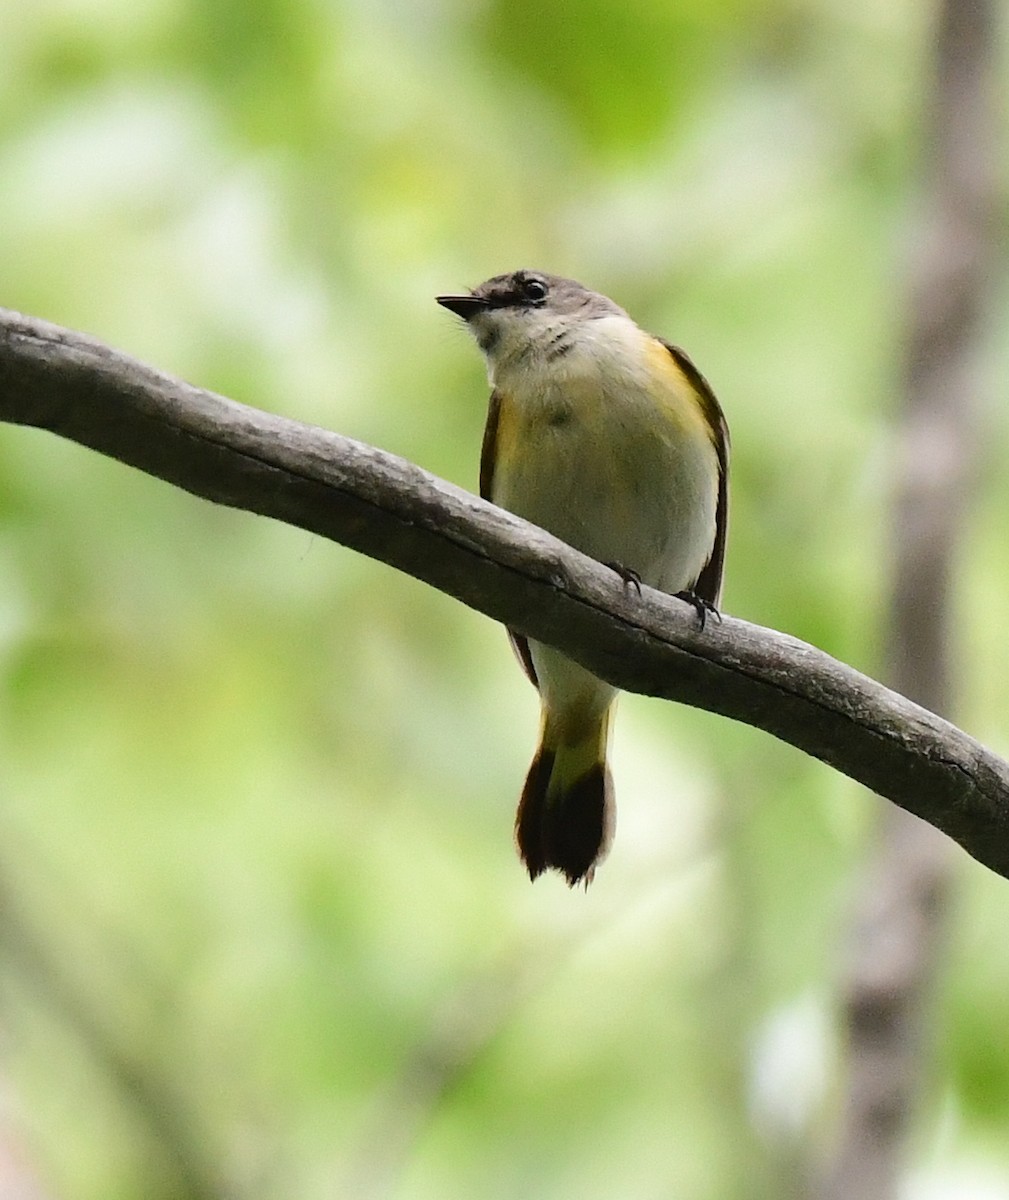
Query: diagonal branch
393	511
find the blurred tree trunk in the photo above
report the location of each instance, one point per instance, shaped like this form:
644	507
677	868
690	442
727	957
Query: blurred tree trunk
901	910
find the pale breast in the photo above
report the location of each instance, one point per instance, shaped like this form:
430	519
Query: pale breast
617	462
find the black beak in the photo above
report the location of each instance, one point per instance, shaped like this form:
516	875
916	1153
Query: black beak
463	306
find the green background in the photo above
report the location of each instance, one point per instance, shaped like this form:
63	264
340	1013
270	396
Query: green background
263	930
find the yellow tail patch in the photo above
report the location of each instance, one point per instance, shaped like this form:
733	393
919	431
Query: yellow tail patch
566	815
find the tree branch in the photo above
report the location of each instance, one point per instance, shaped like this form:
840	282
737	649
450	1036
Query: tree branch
374	502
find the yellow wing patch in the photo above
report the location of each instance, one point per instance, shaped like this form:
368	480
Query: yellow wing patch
509	433
680	397
500	442
709	582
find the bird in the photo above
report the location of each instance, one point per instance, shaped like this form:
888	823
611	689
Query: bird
612	440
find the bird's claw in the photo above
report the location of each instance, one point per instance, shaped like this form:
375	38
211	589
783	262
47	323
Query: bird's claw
630	577
701	606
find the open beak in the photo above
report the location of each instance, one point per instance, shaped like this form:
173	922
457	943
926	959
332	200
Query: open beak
463	306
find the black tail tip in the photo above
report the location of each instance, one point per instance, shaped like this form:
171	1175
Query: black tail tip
567	831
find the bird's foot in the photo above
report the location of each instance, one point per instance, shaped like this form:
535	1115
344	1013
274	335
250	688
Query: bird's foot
701	606
630	577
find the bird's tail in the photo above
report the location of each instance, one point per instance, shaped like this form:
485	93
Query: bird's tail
566	815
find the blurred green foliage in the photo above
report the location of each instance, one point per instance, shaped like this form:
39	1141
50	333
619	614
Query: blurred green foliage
264	934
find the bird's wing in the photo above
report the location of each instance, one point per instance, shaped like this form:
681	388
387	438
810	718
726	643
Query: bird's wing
708	585
488	457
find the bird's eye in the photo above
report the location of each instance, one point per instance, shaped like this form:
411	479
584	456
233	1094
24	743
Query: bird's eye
534	289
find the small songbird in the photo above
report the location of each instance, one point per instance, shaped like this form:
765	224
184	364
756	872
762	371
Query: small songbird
612	440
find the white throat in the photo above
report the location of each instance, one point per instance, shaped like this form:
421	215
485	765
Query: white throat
533	351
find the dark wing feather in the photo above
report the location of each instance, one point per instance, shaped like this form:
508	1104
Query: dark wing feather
488	451
708	585
488	457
